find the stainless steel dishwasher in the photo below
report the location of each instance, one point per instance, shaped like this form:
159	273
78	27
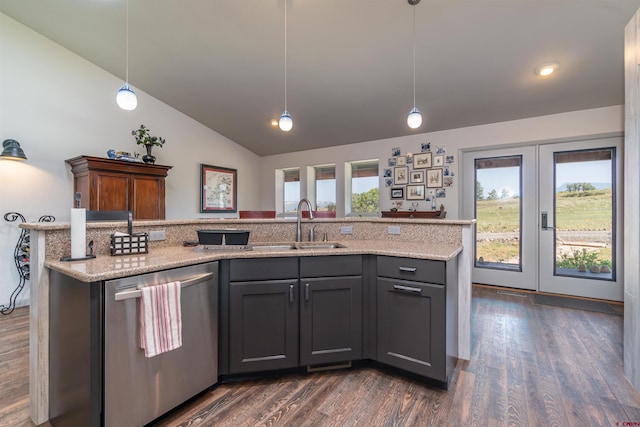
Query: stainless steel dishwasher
137	389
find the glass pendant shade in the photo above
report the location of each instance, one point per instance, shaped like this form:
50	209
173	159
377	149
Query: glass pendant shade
126	98
286	121
414	120
12	150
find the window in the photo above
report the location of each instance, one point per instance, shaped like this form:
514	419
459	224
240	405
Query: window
364	187
325	188
291	190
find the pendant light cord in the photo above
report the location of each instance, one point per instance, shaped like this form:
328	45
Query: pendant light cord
414	56
127	45
285	55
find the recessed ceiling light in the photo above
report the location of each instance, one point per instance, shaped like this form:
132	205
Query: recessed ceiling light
546	69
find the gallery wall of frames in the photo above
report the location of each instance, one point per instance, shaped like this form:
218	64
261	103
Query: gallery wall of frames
423	176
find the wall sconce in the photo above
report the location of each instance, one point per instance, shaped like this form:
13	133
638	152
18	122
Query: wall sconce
11	150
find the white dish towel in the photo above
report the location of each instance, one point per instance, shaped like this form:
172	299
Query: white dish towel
160	318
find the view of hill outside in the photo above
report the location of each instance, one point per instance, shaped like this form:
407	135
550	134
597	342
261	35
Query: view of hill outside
498	212
583	212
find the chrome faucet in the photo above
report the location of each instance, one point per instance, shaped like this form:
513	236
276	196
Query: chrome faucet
299	225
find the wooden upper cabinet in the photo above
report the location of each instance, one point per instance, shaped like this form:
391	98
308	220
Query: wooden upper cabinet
115	185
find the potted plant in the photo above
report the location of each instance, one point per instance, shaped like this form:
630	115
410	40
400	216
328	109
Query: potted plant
143	137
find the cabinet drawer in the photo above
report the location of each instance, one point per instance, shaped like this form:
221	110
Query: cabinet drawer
242	270
420	270
331	266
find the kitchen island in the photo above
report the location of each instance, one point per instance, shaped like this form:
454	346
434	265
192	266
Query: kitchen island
440	240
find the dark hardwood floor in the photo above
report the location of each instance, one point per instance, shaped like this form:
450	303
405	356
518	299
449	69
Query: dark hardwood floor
531	365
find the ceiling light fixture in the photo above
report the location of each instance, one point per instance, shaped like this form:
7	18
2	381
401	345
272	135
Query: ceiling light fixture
12	151
286	121
547	69
414	120
126	97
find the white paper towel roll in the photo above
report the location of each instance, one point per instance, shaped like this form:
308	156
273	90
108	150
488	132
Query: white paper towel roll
78	233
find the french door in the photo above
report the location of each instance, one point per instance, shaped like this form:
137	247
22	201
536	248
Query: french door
547	217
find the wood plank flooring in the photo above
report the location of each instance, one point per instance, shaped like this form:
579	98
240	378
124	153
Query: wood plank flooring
531	365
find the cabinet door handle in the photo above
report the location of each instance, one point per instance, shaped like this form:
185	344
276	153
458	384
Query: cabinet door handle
291	296
306	292
407	289
408	269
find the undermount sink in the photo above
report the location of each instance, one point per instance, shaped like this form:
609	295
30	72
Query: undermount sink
320	246
279	247
297	246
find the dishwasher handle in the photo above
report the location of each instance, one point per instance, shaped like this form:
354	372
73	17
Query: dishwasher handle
135	293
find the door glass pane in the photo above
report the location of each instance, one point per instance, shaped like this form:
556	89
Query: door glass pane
584	213
498	212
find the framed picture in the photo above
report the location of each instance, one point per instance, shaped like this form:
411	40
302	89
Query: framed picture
218	189
401	161
434	178
438	161
415	192
422	160
397	193
416	177
401	175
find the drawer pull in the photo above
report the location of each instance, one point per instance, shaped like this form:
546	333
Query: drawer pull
408	269
291	296
407	289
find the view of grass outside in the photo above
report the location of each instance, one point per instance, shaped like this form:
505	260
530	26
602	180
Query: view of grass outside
583	221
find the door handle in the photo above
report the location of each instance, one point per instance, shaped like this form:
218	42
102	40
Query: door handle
306	292
545	221
291	296
135	293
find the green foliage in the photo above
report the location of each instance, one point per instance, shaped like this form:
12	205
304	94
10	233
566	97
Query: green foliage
577	258
366	202
580	186
479	191
504	194
331	207
493	195
143	137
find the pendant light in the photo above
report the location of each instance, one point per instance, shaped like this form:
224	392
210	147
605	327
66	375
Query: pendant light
414	120
126	97
286	121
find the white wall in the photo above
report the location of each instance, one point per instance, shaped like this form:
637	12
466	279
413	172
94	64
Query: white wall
557	127
58	106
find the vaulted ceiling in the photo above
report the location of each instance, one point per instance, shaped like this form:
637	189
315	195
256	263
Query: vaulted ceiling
350	73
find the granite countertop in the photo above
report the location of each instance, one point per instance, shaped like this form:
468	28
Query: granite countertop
106	267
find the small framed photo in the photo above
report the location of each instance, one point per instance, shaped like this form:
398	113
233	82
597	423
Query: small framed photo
401	161
438	161
401	175
388	173
425	146
416	177
448	182
434	178
395	151
388	182
392	162
415	192
422	160
397	193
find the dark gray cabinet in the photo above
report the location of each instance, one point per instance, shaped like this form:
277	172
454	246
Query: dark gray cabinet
411	316
330	309
263	314
278	321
